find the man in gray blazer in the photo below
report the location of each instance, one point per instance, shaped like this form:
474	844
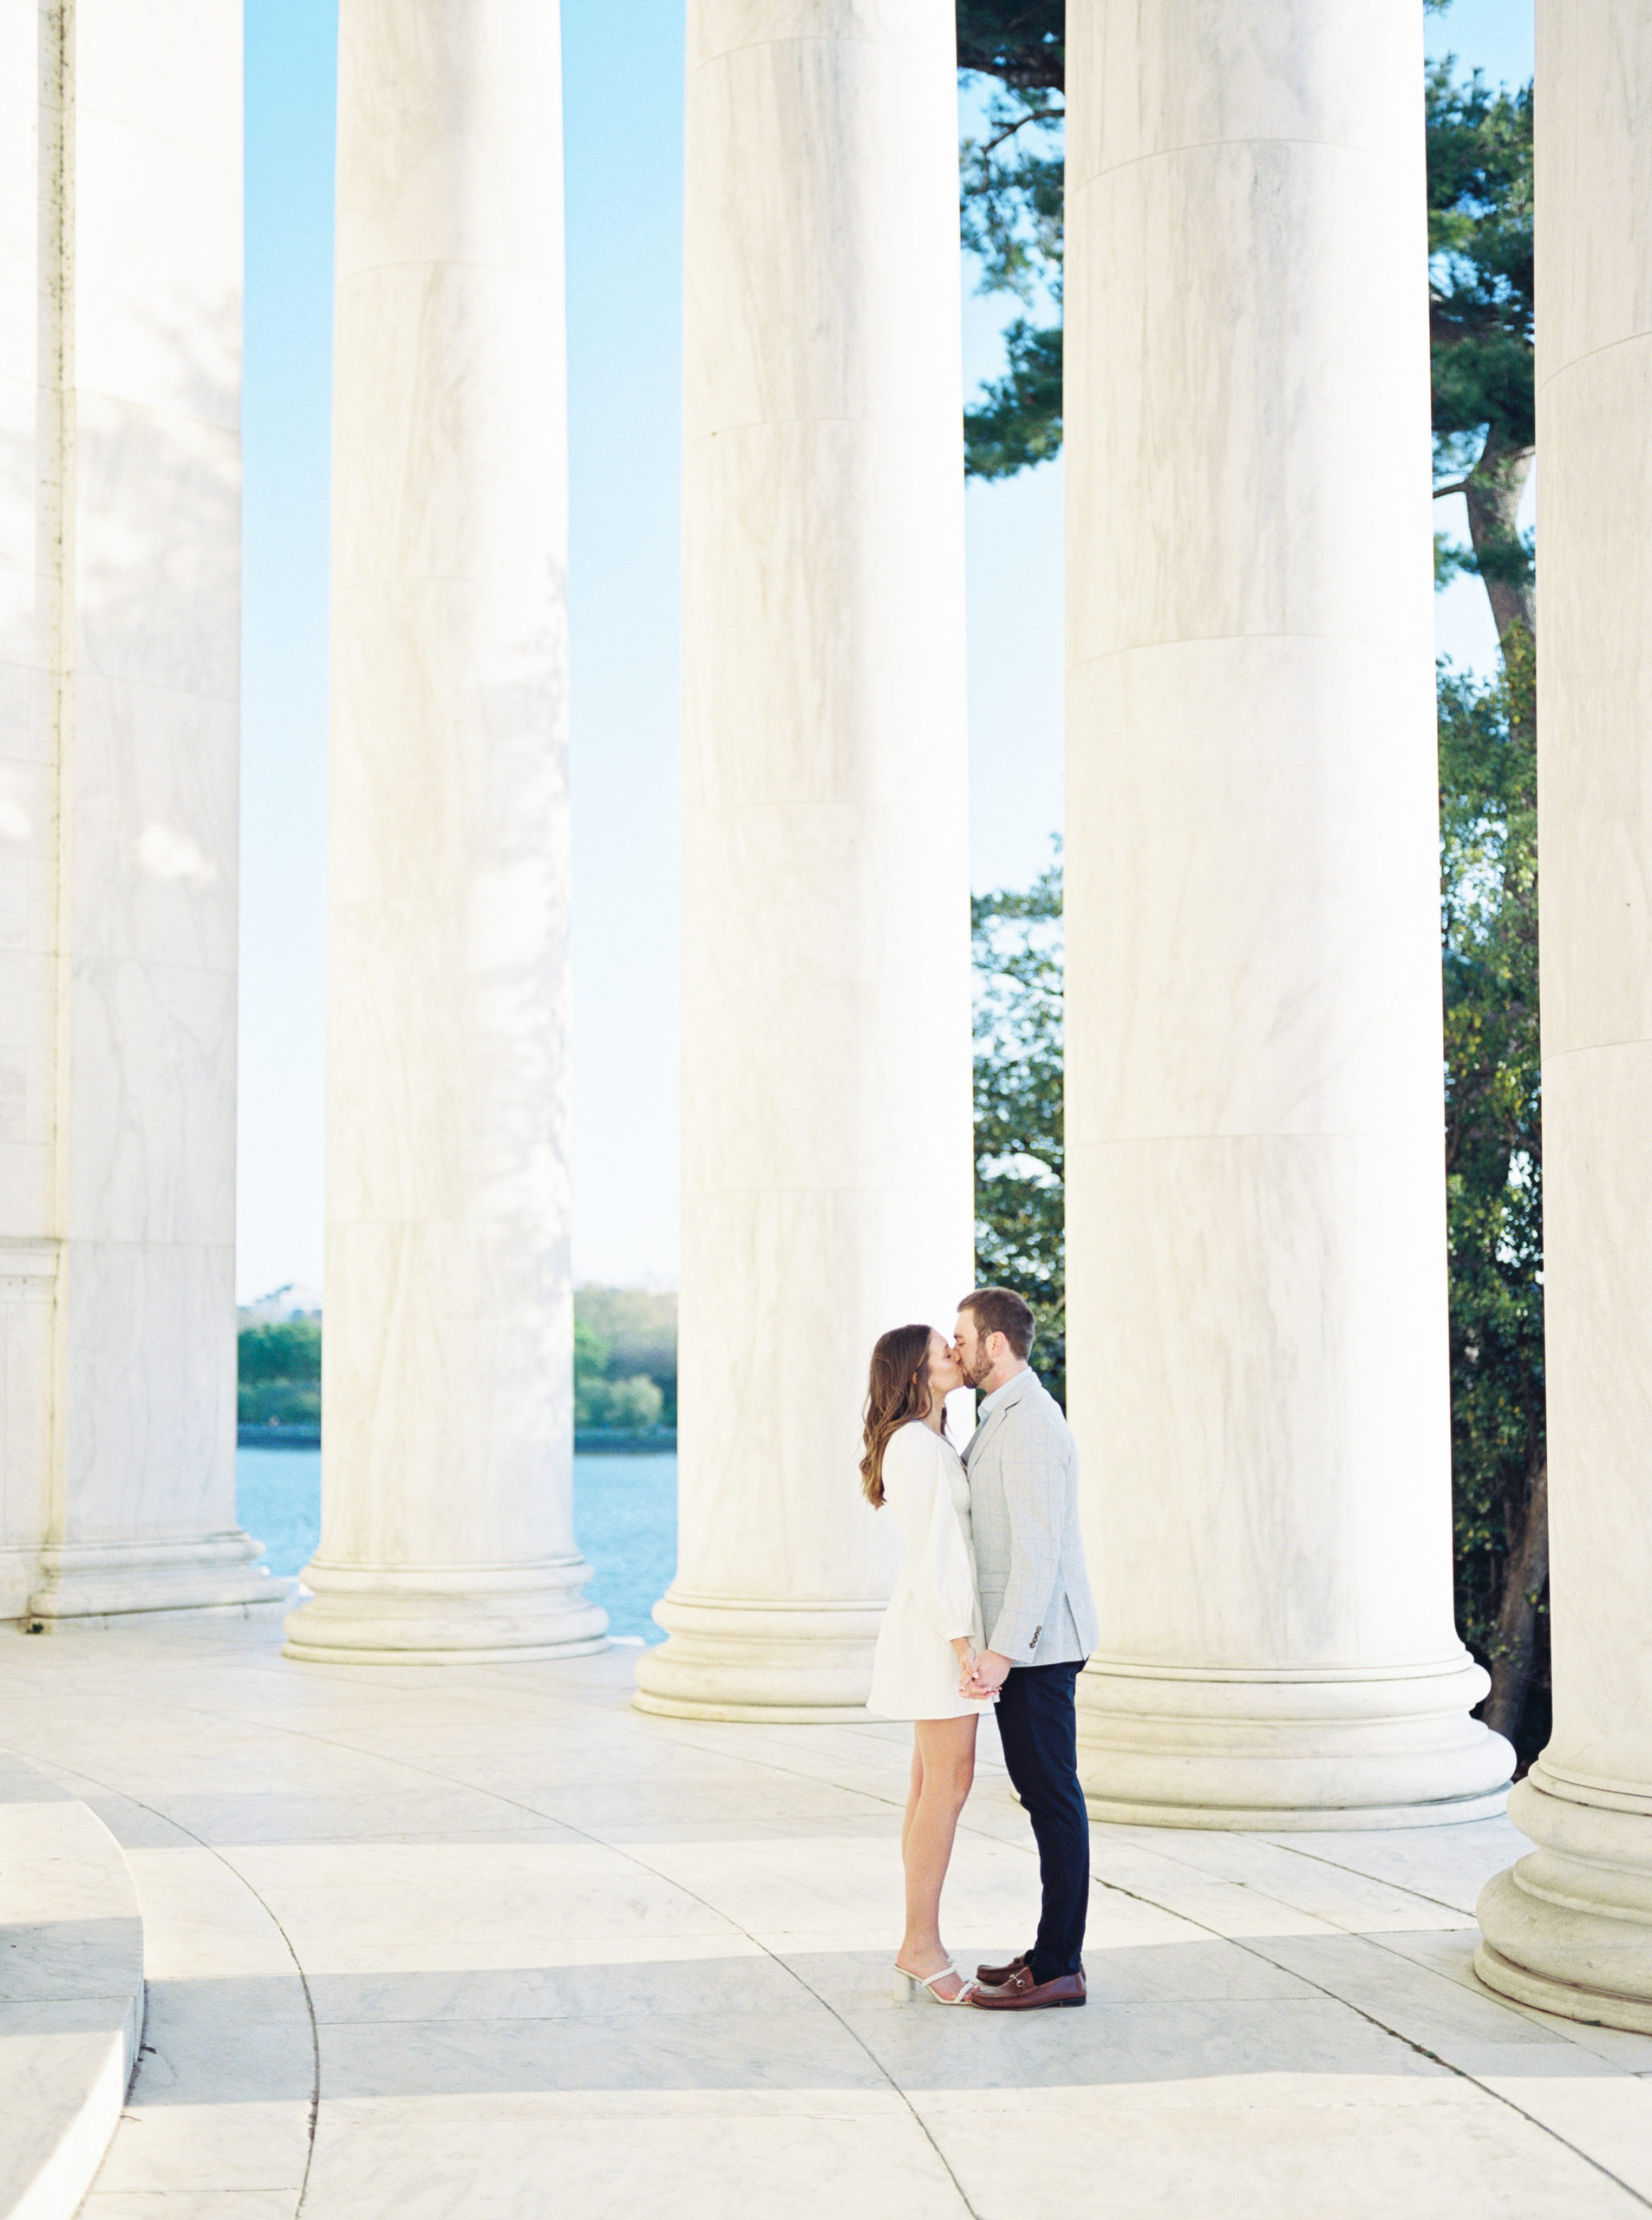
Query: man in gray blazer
1040	1623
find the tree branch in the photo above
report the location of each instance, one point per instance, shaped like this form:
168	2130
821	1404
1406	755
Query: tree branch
1032	115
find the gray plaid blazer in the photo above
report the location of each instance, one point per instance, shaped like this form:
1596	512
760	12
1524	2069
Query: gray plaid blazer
1023	1468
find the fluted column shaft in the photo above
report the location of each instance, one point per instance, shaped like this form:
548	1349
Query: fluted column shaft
825	1132
1569	1927
119	624
1256	1198
447	1527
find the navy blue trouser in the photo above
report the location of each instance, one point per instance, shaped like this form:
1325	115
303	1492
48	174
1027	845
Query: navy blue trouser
1038	1726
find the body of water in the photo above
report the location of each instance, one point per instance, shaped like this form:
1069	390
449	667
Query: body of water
624	1512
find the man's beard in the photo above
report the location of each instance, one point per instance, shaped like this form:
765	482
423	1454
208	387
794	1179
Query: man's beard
976	1373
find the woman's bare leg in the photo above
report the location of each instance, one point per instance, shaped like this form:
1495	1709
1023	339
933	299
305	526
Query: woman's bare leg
913	1793
942	1770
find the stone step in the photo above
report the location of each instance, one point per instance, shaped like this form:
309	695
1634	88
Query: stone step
71	1993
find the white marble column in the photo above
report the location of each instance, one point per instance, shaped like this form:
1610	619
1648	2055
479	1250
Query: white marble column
825	1134
119	530
1569	1927
447	1493
1256	1226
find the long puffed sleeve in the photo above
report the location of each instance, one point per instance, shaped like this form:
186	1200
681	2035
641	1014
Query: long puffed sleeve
937	1570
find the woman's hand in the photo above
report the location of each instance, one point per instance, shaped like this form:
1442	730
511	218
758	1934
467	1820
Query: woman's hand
988	1675
964	1650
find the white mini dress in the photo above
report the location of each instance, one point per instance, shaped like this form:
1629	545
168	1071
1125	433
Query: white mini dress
915	1674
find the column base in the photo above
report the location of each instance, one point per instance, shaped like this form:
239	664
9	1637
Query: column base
788	1664
1595	2008
83	1583
1284	1754
1569	1929
445	1615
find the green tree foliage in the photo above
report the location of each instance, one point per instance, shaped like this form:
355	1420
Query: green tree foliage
1020	1159
285	1348
1017	420
279	1369
625	1364
1012	195
1494	1181
1480	313
1480	296
1021	42
626	1359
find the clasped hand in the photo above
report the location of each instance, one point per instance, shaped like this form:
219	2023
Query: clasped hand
981	1674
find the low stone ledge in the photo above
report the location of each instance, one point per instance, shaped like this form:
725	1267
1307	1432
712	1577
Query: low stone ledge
588	1440
277	1437
71	1994
652	1440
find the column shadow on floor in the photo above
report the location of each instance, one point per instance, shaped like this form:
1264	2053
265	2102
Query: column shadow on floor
1159	2013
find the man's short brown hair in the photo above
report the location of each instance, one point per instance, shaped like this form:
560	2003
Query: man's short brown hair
1000	1310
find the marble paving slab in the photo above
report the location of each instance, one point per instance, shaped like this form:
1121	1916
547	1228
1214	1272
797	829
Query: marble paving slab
484	1943
71	1991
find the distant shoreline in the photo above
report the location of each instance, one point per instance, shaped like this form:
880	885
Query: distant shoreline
587	1441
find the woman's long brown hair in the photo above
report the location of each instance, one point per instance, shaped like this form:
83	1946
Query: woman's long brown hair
898	1390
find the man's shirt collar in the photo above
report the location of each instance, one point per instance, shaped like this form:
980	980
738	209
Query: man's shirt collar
989	1403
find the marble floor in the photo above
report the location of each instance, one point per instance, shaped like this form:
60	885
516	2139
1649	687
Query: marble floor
425	1943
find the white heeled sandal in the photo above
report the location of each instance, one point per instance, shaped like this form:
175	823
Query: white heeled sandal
907	1985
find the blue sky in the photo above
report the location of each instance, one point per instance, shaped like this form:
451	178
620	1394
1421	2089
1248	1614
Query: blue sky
623	62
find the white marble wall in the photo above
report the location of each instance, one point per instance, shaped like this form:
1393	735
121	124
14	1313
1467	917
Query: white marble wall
1569	1928
120	343
447	1525
1257	1298
825	1133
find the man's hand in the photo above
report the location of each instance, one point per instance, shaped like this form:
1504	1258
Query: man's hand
990	1672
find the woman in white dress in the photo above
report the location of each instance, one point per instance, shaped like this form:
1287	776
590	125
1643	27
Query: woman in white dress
930	1632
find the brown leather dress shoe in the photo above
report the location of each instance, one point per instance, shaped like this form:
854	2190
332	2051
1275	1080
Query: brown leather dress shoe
996	1976
1020	1992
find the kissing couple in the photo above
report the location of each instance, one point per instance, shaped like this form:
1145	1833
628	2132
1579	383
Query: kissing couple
992	1610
